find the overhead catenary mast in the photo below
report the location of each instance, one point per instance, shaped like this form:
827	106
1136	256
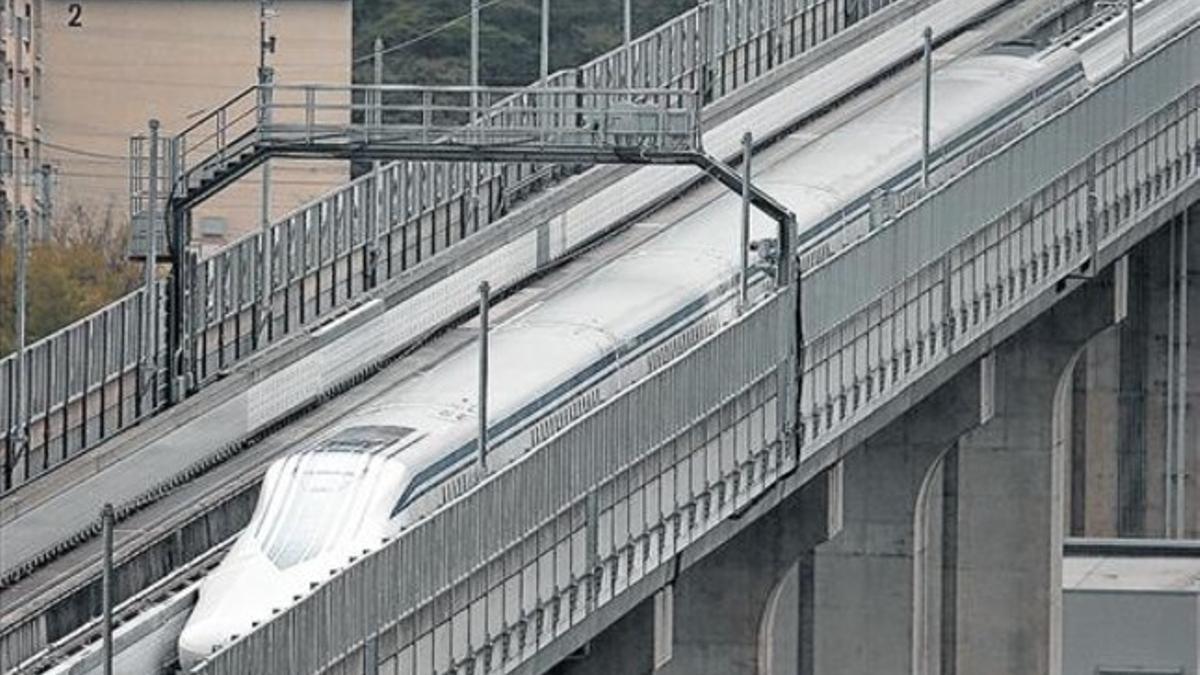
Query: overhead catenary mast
266	76
544	70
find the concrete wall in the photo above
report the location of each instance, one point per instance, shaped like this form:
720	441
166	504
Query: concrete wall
1095	402
129	60
1129	632
1190	386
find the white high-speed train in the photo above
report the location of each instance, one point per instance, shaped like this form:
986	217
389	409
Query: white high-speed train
413	448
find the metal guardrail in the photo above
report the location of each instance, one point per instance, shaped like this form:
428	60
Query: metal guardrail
470	123
570	526
894	304
324	255
85	383
713	50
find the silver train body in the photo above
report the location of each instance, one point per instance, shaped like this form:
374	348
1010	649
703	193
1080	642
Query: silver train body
412	449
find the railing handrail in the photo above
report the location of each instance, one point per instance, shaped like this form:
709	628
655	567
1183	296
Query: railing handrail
983	163
210	115
29	348
497	107
465	89
905	215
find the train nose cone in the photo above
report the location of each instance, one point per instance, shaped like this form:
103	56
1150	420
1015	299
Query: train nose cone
233	599
199	640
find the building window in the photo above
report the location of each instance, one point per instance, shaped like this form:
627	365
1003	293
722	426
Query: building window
213	226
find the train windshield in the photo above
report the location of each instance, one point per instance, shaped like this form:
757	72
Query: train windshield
308	525
317	500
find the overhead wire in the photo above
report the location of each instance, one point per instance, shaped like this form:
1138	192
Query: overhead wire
84	153
63	148
427	34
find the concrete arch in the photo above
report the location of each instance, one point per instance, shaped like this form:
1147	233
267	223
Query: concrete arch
927	530
1059	451
1025	407
779	628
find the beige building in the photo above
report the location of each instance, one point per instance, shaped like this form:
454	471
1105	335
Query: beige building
103	68
20	79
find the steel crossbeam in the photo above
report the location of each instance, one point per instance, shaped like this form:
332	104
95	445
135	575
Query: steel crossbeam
482	124
450	124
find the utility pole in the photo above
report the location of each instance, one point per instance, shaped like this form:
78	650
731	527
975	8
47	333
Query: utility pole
485	292
377	63
474	167
4	203
379	203
744	282
19	139
47	212
4	220
545	70
22	272
926	117
266	77
1129	30
628	40
106	586
474	58
151	294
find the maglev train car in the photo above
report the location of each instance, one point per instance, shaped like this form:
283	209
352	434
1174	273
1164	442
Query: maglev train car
412	449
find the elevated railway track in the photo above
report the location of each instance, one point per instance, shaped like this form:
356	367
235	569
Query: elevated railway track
236	478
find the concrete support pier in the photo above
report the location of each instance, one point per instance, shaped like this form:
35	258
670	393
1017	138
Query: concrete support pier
732	610
947	561
862	581
1002	573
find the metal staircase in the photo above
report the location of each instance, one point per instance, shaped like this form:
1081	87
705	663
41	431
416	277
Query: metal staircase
411	122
